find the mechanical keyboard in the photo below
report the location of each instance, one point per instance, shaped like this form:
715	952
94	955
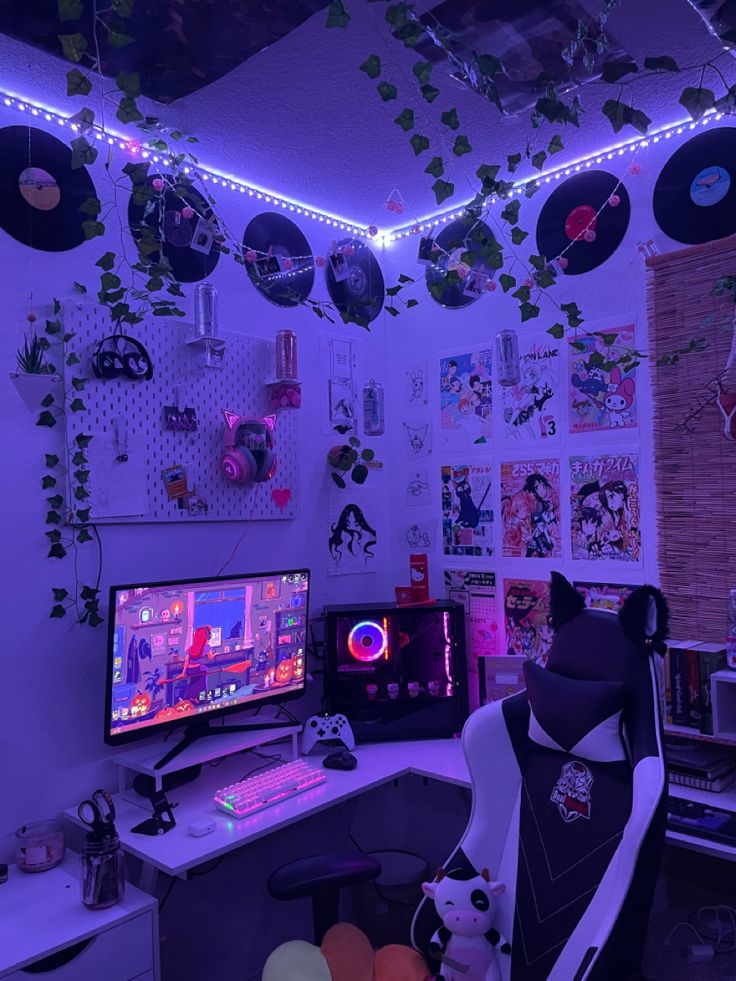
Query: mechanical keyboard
261	790
693	818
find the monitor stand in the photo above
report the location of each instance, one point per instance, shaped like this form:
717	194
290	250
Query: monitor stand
200	730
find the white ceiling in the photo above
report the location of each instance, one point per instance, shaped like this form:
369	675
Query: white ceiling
302	120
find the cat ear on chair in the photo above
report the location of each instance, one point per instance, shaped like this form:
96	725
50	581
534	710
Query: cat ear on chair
644	618
565	601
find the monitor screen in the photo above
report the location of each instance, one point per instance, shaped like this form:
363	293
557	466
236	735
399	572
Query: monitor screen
185	649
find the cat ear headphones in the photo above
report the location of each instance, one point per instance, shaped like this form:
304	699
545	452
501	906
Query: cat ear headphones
120	356
248	457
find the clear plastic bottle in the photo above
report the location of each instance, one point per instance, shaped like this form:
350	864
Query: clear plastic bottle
286	365
731	639
373	411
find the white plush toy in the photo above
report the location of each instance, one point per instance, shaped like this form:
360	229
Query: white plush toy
466	943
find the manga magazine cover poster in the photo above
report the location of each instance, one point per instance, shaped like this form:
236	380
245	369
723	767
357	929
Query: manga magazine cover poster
466	397
467	512
605	510
530	509
602	394
531	409
526	608
603	595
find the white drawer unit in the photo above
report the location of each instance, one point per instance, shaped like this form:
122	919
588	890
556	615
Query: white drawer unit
46	932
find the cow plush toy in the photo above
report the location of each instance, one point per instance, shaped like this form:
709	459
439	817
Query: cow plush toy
466	943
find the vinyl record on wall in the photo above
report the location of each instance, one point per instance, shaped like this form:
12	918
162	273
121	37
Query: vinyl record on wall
185	220
40	193
570	223
695	194
359	292
461	249
283	271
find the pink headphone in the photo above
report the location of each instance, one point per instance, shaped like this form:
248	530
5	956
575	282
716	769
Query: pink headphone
248	457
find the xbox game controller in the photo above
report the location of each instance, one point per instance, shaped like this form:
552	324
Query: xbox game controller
324	728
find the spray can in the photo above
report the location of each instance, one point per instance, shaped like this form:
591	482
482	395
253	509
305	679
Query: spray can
205	310
507	358
286	364
419	572
373	412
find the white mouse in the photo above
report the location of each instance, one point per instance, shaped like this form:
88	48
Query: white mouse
202	827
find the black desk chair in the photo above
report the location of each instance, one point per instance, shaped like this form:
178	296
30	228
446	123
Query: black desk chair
321	877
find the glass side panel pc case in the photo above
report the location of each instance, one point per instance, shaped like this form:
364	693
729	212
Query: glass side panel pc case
397	673
189	651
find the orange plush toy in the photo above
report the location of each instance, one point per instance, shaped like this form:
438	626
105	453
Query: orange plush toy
346	954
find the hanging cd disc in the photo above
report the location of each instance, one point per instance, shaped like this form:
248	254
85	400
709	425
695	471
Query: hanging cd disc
283	270
184	223
41	194
584	220
458	271
695	194
355	281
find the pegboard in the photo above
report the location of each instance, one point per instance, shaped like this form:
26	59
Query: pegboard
178	375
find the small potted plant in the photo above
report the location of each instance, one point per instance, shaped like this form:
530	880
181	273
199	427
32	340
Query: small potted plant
348	458
34	379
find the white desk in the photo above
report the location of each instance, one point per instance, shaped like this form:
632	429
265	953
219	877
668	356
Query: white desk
178	851
41	914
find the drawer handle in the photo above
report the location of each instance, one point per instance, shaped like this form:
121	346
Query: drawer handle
59	959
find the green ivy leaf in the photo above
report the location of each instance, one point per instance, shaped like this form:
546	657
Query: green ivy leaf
83	536
359	473
387	91
77	405
557	331
72	359
555	144
77	83
70	9
78	383
82	514
73	46
89	593
52	460
421	71
107	261
538	261
518	235
83	440
489	65
538	159
92	229
47	481
53	518
109	281
545	278
123	8
128	111
57	612
449	118
697	101
403	278
419	143
392	290
80	493
429	92
95	620
118	37
55	501
54	535
337	15
372	66
487	172
405	119
461	146
506	282
513	161
367	455
435	167
528	311
59	594
412	302
615	112
614	71
573	314
662	63
338	480
510	212
354	441
522	293
391	310
57	551
442	190
129	84
83	153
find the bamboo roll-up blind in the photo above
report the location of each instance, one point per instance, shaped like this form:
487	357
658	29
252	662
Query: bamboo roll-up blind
694	464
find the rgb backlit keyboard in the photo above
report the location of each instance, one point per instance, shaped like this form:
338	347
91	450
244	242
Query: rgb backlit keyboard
251	795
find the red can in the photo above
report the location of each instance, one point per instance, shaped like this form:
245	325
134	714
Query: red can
419	568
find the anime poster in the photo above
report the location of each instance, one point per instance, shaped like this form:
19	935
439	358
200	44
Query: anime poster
530	509
531	409
605	511
354	540
602	394
477	592
467	513
526	607
466	397
604	596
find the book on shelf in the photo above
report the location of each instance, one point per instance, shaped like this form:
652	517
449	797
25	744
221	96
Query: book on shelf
712	658
703	760
715	786
679	680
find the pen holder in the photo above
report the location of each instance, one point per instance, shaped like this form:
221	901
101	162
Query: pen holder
103	872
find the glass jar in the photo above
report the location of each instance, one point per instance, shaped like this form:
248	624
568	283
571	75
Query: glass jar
286	363
103	872
39	846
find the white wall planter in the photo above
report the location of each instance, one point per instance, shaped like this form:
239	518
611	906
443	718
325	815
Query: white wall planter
33	389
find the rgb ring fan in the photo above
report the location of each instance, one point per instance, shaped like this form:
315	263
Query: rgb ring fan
367	641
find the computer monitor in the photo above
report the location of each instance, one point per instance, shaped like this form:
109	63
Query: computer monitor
189	651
